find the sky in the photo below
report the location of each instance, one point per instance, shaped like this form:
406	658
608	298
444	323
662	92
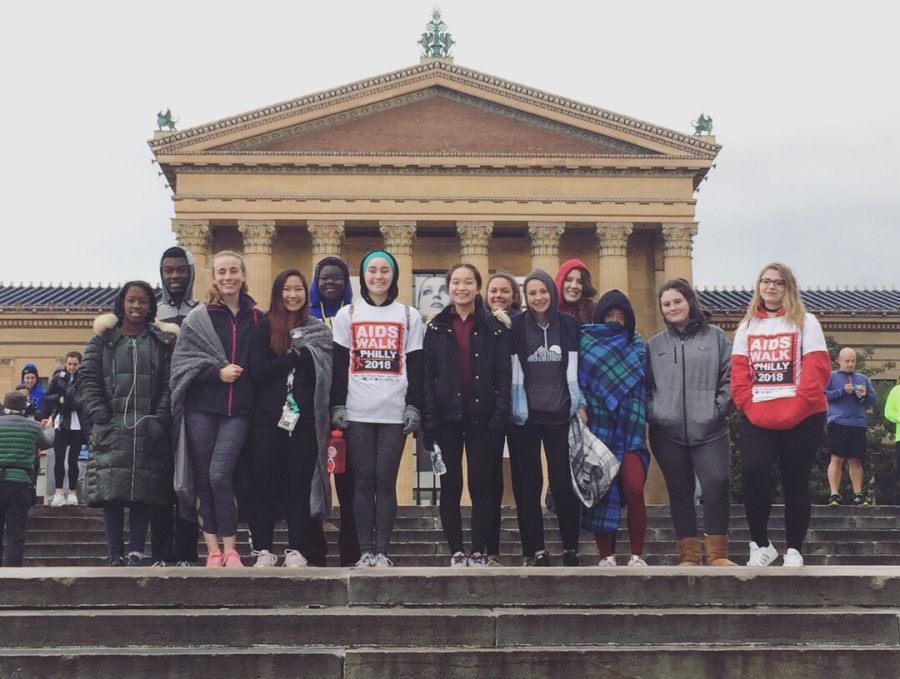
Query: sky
805	99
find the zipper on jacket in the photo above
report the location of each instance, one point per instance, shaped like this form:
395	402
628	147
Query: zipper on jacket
234	320
684	390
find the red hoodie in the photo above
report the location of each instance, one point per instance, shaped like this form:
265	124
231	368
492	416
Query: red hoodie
778	371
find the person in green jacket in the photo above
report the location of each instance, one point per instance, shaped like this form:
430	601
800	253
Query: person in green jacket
892	414
125	392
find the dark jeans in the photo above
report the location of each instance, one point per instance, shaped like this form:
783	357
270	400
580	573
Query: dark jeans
530	479
348	540
375	451
215	445
452	437
711	462
283	467
16	499
795	451
114	525
496	461
172	537
72	440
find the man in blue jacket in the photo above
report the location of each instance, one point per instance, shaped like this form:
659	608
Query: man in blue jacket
849	393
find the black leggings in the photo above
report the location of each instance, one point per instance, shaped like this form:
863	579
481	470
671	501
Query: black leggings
452	437
795	451
72	440
527	449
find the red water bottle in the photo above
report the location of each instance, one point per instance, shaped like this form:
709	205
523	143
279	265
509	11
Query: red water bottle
337	452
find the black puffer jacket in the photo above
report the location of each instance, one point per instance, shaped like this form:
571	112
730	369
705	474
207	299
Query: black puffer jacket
125	381
490	365
64	386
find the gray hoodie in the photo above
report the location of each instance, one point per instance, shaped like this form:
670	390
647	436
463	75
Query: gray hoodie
166	310
688	384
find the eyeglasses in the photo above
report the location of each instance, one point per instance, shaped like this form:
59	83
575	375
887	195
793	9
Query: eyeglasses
767	282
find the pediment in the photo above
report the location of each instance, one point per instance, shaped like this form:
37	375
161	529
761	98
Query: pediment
432	121
433	108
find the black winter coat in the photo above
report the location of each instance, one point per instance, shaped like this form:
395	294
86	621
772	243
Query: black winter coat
61	387
126	381
490	365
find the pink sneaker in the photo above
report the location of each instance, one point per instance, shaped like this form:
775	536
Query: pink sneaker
214	560
232	560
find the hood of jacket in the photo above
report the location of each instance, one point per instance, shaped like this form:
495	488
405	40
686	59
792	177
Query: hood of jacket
564	271
30	368
393	290
616	299
543	277
316	304
188	299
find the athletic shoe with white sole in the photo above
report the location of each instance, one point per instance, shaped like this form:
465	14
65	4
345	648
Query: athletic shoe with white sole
381	561
294	559
636	560
761	556
264	558
607	561
458	560
58	500
367	560
792	558
72	499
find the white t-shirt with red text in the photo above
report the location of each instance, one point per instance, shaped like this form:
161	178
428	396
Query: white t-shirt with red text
378	338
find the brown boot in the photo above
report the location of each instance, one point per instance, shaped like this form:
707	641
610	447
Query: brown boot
689	551
717	551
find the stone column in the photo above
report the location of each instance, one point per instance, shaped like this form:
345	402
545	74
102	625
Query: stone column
398	240
545	245
327	238
196	235
258	236
474	238
678	240
612	244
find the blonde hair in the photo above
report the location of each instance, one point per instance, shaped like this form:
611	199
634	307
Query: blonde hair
213	296
793	306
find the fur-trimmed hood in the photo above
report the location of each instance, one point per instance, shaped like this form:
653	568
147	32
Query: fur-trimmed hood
109	321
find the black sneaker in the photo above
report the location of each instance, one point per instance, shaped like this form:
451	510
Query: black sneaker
860	500
115	561
542	559
834	500
570	559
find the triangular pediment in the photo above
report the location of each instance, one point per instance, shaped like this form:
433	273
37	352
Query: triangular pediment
435	120
433	108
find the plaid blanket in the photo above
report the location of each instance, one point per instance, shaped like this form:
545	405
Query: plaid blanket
611	376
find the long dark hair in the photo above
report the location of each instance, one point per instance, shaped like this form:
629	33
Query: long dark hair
516	304
680	285
119	306
280	318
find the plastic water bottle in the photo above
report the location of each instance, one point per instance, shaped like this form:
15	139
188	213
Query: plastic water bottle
437	461
337	453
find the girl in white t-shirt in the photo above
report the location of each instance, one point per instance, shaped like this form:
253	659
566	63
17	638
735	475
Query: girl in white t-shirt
376	395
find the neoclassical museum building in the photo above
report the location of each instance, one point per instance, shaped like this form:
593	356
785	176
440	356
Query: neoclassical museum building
436	163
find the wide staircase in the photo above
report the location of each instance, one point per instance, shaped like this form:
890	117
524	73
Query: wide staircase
830	621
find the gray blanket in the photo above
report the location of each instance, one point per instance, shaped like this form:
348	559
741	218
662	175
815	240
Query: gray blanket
316	336
198	350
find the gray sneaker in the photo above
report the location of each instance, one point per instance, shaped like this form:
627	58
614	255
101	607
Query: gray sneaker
294	559
264	558
381	561
367	560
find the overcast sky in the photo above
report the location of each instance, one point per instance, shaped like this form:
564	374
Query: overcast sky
805	98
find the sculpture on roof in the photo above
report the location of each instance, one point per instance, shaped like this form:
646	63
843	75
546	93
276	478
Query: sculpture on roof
702	124
436	41
166	120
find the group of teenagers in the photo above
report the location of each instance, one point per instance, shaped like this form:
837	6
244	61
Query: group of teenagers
175	406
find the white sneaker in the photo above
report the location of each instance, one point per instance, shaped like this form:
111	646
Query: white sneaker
458	560
635	560
381	561
607	561
366	560
264	558
792	559
762	556
58	500
72	499
294	559
476	560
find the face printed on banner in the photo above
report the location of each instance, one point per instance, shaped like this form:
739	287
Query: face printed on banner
293	294
675	308
433	295
537	296
573	286
772	288
500	294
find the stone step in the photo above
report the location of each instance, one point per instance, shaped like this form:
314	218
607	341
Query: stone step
701	661
443	627
876	587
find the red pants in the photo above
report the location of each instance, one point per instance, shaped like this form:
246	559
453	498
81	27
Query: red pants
632	477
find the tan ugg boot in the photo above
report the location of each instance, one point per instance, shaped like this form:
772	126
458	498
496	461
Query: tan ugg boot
717	551
689	551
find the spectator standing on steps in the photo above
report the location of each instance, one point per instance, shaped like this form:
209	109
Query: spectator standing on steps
849	394
173	539
62	404
32	380
892	414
